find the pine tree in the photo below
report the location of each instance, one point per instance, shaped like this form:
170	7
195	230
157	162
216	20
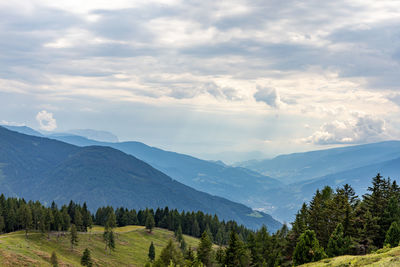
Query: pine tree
338	244
235	254
307	249
74	236
178	234
204	251
393	235
25	218
53	259
152	252
170	254
150	222
195	228
86	259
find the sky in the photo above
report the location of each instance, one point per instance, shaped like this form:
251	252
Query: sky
230	80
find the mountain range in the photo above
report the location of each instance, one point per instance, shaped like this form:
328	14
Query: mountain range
296	176
234	183
44	169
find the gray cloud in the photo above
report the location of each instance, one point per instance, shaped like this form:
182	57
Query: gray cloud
269	96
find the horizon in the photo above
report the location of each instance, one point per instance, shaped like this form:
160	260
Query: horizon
232	163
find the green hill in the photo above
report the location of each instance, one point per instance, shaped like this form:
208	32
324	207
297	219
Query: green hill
132	246
381	258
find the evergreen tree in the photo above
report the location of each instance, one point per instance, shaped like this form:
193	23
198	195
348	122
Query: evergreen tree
66	220
152	252
53	259
74	236
236	254
393	235
170	254
195	228
204	251
86	259
338	244
307	249
78	220
178	234
25	218
150	222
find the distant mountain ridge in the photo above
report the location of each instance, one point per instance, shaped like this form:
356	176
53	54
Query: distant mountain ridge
297	167
234	183
44	169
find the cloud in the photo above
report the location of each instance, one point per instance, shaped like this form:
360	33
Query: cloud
269	96
46	120
360	129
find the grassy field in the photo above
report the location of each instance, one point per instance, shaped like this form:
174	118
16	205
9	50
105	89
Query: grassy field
381	258
132	244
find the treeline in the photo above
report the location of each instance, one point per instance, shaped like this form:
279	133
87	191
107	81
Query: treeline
17	214
189	223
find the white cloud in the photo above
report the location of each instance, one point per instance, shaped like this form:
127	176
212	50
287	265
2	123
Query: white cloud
360	129
46	120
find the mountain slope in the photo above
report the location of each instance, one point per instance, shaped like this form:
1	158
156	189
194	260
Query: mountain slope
45	170
234	183
298	167
290	198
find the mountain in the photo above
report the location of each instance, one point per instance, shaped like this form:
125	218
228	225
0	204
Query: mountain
288	200
299	167
234	183
23	129
44	169
101	136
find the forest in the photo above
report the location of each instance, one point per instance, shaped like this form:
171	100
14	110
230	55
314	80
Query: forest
335	222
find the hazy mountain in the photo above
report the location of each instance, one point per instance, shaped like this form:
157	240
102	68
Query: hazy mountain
298	167
234	183
23	129
44	169
289	199
101	136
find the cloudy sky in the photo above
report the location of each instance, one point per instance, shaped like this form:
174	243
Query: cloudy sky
208	78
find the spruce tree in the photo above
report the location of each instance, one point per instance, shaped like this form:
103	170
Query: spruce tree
307	249
170	254
74	236
152	252
25	218
204	251
393	235
86	259
338	243
150	222
235	253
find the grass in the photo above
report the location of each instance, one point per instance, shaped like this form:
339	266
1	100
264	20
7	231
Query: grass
132	244
381	258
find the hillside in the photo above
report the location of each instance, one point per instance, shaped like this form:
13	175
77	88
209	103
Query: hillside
381	258
132	246
234	183
297	167
46	170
